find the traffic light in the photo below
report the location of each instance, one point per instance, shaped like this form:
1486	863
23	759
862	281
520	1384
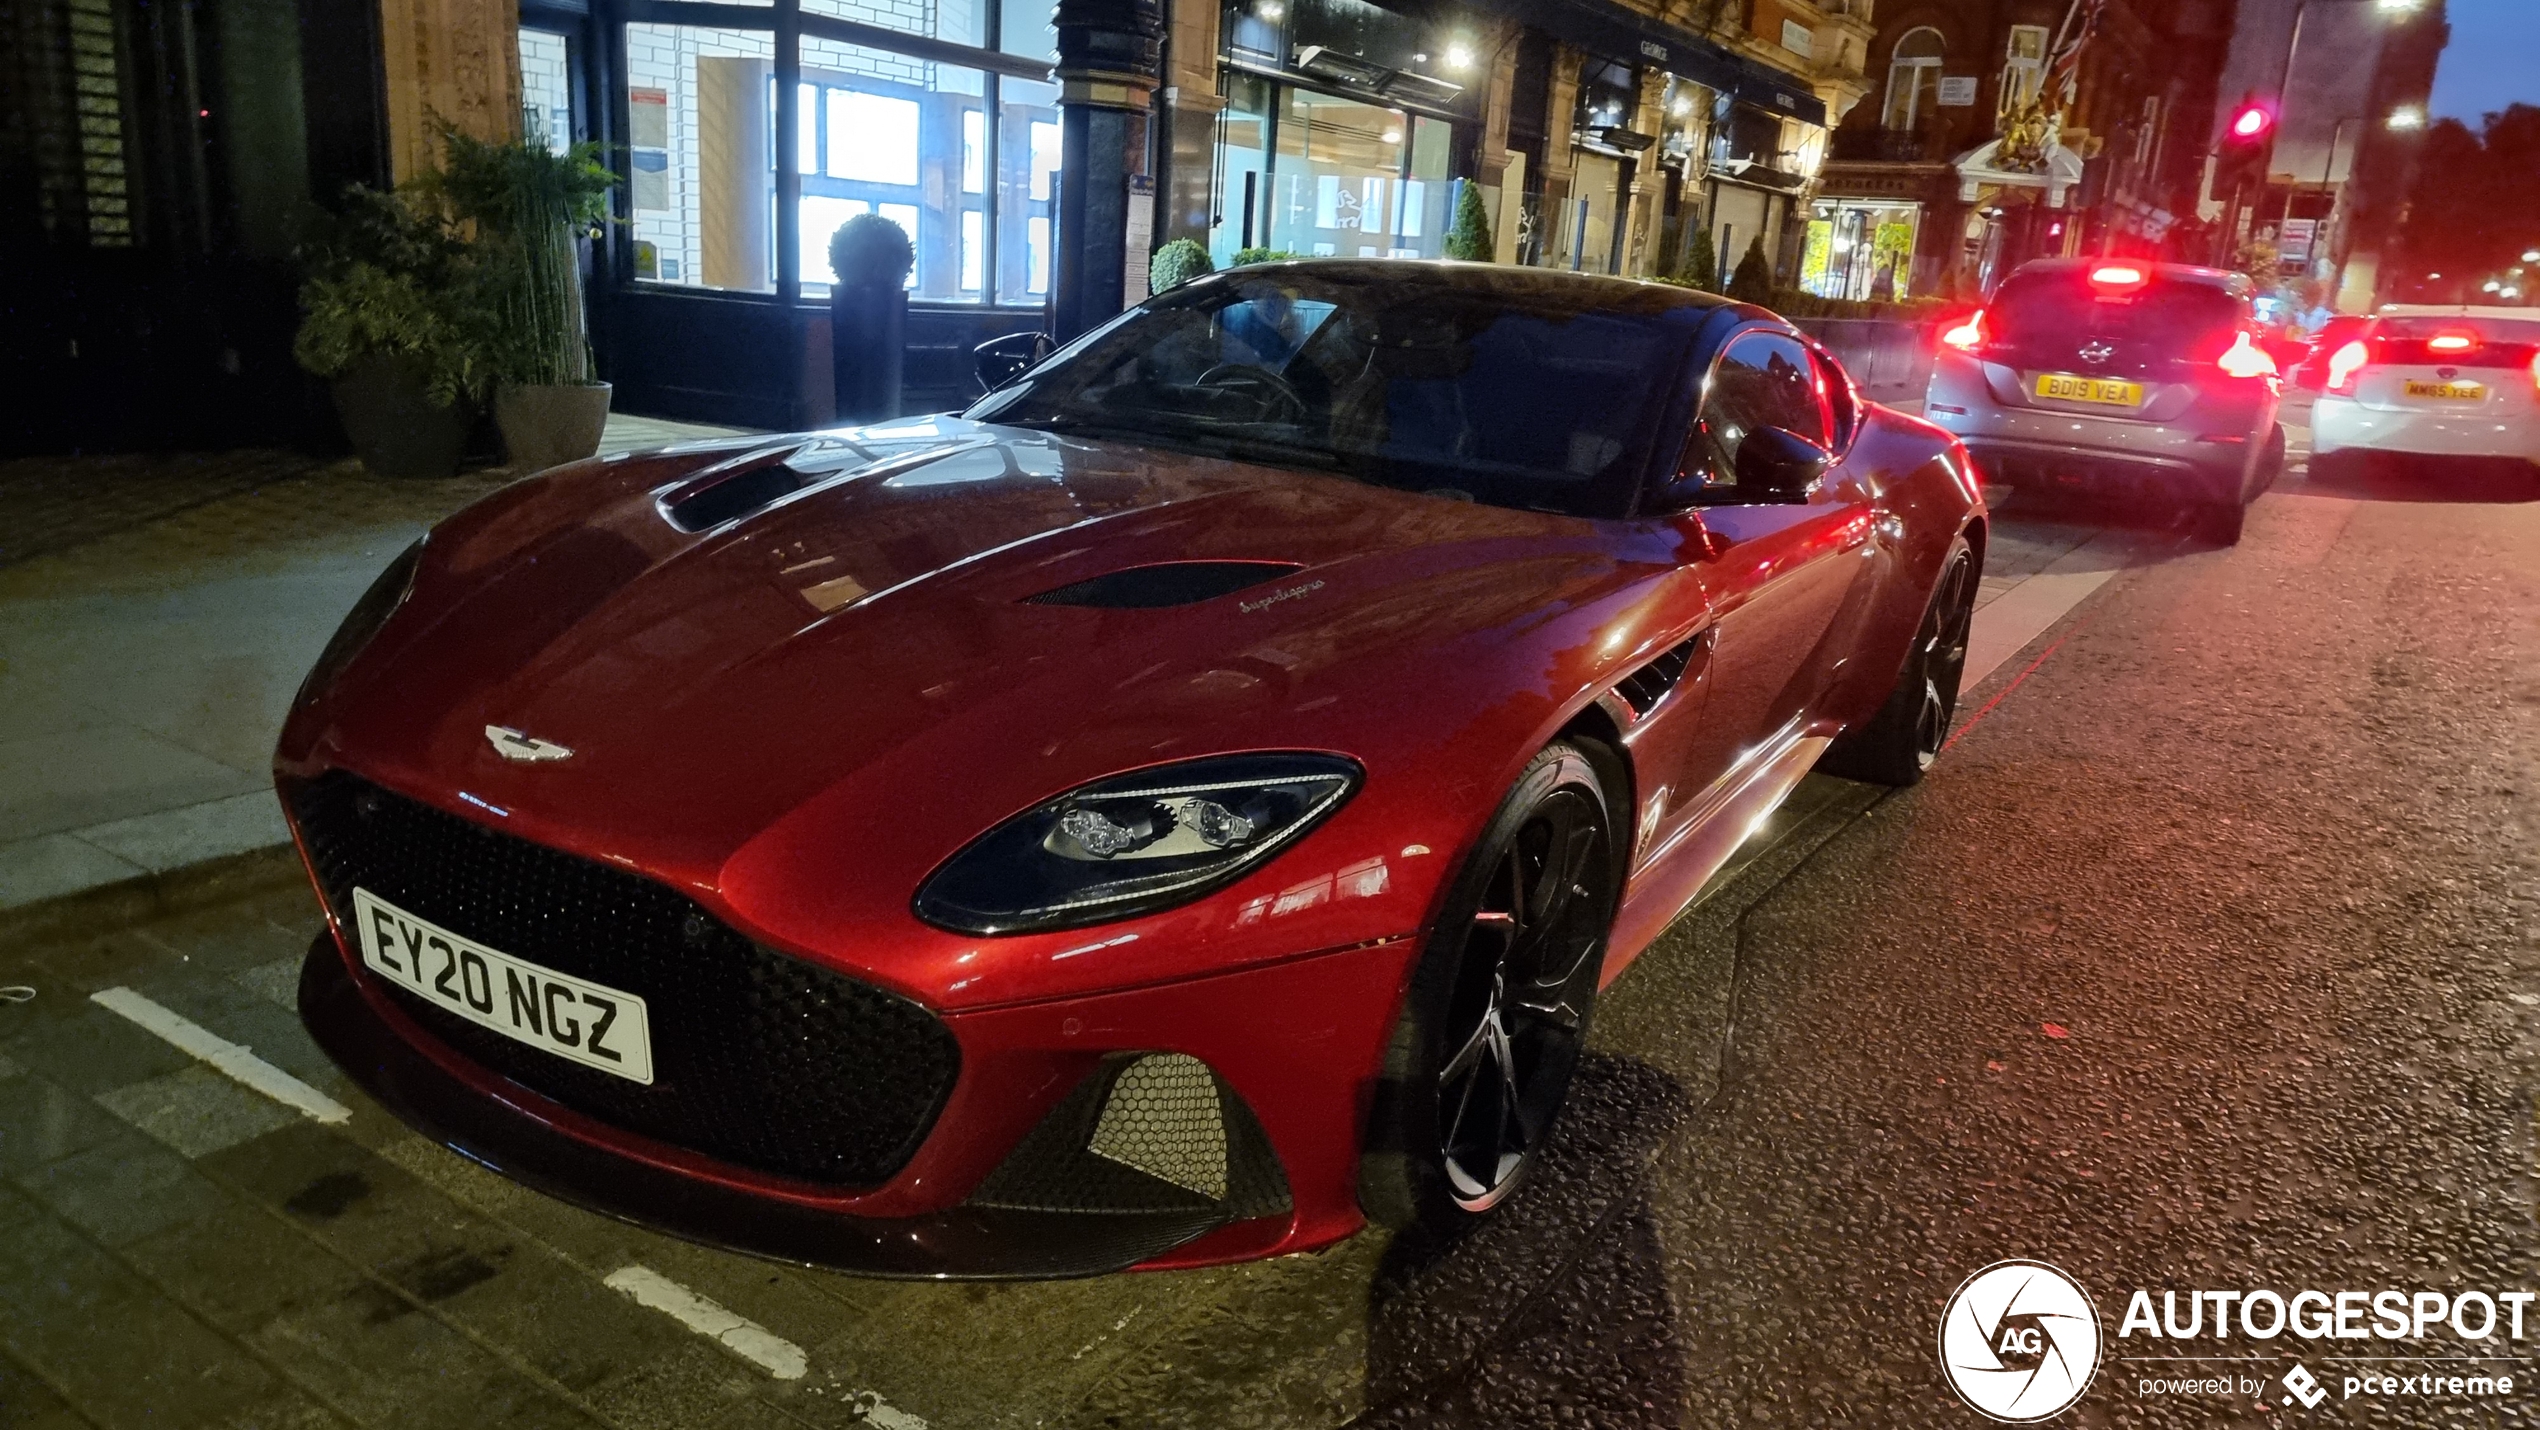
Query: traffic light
2240	161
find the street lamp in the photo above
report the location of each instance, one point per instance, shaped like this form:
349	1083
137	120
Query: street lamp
2407	118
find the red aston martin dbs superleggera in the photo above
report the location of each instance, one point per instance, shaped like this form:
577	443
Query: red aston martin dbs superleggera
1182	806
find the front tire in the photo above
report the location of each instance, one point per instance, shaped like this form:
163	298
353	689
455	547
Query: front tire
1902	740
1497	1013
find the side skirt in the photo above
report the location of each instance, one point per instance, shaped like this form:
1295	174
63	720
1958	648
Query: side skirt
1675	873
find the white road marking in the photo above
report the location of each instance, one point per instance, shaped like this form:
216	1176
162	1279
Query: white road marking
2006	624
224	1056
743	1337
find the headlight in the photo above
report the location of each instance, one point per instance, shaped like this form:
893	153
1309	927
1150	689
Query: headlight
362	622
1133	844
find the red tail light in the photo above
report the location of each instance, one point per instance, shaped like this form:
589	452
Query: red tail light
1967	336
2451	342
2535	370
2117	275
2244	358
2347	362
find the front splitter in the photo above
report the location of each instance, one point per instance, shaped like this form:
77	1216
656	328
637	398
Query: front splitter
960	1243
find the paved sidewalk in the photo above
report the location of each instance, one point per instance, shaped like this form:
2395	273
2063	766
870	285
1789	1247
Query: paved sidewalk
156	615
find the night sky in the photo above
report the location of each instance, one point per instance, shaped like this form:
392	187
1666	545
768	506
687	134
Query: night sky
2489	62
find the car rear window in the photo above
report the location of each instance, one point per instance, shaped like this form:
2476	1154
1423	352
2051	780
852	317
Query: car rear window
2042	308
2494	342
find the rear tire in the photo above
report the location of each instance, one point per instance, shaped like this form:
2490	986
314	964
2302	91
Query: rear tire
1492	1026
2271	465
1902	740
2222	524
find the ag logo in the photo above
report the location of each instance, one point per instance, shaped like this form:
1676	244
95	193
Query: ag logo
2019	1342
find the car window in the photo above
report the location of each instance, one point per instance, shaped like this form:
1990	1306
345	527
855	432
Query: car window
2059	309
1527	397
1763	380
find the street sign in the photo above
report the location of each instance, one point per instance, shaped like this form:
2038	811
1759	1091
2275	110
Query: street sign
1957	91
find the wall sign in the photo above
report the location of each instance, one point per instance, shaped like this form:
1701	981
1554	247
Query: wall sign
1958	91
1139	231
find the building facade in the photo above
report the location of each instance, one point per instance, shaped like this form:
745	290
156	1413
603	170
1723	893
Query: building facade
1034	150
1997	131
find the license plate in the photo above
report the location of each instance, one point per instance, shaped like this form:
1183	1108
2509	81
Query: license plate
2067	387
573	1018
2449	391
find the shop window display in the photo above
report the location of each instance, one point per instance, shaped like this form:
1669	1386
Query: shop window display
699	140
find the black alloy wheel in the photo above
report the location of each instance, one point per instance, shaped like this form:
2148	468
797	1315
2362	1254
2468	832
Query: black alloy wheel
1900	742
1499	1008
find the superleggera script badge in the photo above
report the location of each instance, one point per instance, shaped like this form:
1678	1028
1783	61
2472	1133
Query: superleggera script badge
1288	594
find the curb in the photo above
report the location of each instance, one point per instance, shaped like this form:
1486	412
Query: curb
107	907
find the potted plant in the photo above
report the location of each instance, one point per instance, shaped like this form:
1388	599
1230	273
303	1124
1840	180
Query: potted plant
392	319
1177	263
1469	238
868	315
529	206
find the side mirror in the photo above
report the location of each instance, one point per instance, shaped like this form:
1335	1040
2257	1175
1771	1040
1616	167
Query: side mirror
1002	360
1777	465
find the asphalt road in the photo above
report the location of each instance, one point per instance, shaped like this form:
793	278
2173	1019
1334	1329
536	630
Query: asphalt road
2204	960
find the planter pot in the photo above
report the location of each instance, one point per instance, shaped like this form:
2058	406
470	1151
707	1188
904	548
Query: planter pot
868	335
548	426
395	428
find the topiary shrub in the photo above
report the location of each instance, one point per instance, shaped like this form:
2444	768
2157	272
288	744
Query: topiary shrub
1469	237
1753	281
1700	265
1263	255
1177	263
870	251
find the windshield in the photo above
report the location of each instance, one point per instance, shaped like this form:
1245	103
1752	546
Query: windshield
1524	398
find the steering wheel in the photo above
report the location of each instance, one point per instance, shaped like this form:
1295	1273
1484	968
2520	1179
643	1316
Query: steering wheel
1276	400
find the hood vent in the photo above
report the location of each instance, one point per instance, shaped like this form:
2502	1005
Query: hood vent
1645	687
732	489
1169	583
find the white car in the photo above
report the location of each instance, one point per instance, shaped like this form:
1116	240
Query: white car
2432	382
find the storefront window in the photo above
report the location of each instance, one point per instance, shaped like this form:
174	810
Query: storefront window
546	90
1596	187
1027	191
1860	250
702	182
889	134
963	22
1356	180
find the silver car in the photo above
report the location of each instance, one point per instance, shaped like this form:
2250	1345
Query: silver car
2119	376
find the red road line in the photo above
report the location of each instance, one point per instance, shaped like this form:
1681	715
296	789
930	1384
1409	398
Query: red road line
2005	693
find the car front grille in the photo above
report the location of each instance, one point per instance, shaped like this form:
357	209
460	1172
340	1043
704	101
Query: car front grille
759	1060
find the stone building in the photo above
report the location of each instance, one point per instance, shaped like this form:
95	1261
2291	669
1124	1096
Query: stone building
2002	130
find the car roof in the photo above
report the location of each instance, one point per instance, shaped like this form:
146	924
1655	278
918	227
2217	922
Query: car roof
1588	290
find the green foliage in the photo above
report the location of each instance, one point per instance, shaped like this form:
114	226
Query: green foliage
1469	236
387	278
1177	263
870	251
1700	265
527	204
1263	255
1753	281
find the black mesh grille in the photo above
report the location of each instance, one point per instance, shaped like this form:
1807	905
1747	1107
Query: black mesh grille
1155	1132
759	1059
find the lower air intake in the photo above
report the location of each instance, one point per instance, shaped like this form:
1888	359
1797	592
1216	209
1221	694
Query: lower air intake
1153	1132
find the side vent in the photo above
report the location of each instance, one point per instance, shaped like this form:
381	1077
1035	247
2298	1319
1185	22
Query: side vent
1645	687
1169	583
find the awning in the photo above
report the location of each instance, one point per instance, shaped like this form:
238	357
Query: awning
1605	28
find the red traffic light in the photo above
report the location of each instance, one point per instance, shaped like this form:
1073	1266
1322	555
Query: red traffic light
2251	120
